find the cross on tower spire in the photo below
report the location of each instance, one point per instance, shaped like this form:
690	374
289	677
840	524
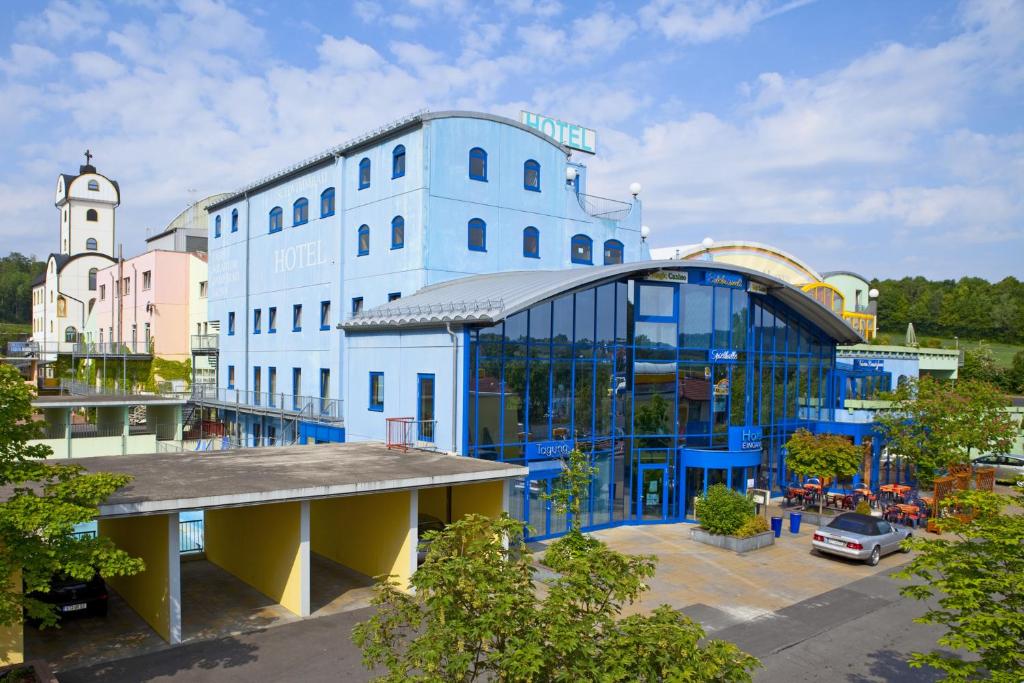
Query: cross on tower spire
88	157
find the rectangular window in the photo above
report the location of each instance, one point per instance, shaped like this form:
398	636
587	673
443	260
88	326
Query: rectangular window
394	296
147	279
103	292
325	391
357	304
425	406
377	391
257	321
256	386
325	315
231	323
231	377
272	320
297	318
656	302
127	286
296	387
271	385
204	288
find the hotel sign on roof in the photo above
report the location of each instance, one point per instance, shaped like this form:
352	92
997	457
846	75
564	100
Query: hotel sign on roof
569	134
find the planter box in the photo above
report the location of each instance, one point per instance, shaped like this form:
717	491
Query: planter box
738	545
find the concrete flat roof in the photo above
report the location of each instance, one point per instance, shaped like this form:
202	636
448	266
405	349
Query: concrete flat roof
168	482
105	400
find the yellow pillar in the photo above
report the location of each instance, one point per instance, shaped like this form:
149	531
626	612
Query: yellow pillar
374	534
155	593
12	636
266	546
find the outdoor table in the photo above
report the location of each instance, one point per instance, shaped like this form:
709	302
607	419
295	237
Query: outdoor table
898	489
863	491
928	500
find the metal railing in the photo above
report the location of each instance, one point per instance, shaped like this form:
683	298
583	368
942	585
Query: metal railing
205	342
602	207
124	348
52	430
310	407
73	387
404	433
26	349
190	536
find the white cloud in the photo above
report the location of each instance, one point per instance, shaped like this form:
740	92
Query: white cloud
703	21
540	40
96	65
544	9
601	32
64	20
348	53
25	60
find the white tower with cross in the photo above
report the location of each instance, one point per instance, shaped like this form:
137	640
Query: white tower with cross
87	203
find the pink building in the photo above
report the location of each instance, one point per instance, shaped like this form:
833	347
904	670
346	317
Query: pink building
151	303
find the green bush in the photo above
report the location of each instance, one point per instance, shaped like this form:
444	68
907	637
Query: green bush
722	510
752	527
863	508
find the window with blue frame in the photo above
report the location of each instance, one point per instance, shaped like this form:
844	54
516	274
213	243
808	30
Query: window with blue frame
327	203
231	323
478	164
531	175
582	250
357	304
325	315
276	218
231	377
398	162
363	237
216	226
257	317
296	387
297	318
397	232
234	220
612	252
531	242
364	173
300	211
272	320
477	235
376	391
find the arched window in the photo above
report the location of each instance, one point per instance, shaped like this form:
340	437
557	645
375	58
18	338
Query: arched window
612	252
531	242
92	303
90	244
70	334
397	232
300	211
582	250
62	307
398	161
477	235
327	203
276	219
478	164
364	240
216	226
92	279
94	185
364	173
234	220
91	215
531	175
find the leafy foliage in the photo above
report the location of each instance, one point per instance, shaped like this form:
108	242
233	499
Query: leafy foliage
936	424
38	518
823	456
576	475
752	527
863	508
16	275
722	510
978	577
477	614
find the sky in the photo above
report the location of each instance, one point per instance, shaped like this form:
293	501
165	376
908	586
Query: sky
881	137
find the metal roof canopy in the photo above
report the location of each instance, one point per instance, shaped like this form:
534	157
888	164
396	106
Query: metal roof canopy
170	482
492	297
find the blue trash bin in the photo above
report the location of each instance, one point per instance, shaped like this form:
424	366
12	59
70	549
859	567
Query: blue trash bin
777	526
794	522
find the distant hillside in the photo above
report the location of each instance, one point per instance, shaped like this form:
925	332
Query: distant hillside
969	308
16	274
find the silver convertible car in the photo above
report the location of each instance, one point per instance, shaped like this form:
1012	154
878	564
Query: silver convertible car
859	537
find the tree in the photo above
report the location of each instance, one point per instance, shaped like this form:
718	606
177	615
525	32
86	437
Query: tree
936	424
476	612
978	578
37	520
577	472
980	364
1015	375
823	456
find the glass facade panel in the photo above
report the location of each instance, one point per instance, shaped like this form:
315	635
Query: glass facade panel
657	301
695	332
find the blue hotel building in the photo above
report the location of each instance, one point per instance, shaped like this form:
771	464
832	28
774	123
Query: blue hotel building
451	269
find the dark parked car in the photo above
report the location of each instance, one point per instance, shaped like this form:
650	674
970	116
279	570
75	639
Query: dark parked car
859	537
426	523
74	597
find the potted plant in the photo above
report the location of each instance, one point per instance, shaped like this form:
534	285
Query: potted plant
727	520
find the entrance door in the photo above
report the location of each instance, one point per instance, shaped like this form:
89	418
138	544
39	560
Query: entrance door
541	515
425	407
694	488
652	497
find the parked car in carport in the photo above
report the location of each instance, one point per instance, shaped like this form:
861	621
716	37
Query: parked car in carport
1009	468
859	537
425	523
76	597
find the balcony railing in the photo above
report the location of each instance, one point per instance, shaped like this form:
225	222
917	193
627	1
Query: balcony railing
310	407
125	348
72	387
26	349
602	207
205	342
190	535
60	430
